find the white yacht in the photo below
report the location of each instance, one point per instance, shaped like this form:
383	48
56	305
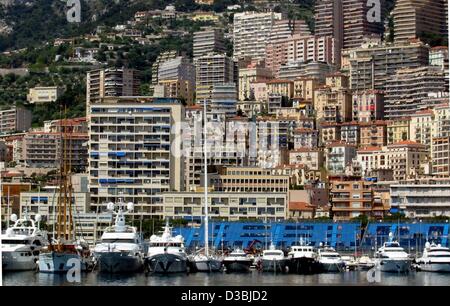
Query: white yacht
166	254
330	260
391	257
22	243
238	261
273	260
435	258
60	255
364	263
302	258
121	247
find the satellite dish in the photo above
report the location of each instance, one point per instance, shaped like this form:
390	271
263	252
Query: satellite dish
13	217
110	206
38	218
130	206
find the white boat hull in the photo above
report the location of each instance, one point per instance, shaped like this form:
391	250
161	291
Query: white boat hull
395	265
54	262
12	261
332	266
116	262
207	265
434	267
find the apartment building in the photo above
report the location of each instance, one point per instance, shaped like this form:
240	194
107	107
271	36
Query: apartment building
254	72
16	119
406	90
294	70
306	138
398	130
249	180
44	94
161	58
424	198
212	69
304	88
223	100
72	125
440	156
330	132
373	134
357	23
351	199
368	105
350	132
339	156
251	33
407	159
329	22
229	206
111	82
279	87
421	127
133	152
312	48
312	159
419	19
209	40
333	102
373	64
43	150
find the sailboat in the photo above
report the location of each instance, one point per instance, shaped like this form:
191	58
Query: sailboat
206	262
64	252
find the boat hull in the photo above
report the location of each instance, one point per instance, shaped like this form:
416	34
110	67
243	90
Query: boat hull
12	261
166	263
274	265
237	265
211	265
332	266
116	262
303	265
59	262
434	267
396	265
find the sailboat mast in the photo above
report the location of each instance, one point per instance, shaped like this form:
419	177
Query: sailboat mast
205	152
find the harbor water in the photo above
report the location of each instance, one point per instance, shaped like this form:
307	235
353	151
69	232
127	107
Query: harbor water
253	278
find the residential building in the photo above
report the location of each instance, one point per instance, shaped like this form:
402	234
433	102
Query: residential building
424	198
212	69
421	127
330	132
44	94
419	19
351	199
111	82
398	130
294	70
304	88
406	90
374	63
43	150
312	48
358	23
16	119
254	72
350	133
306	138
223	99
311	158
333	102
440	155
339	156
251	33
161	58
231	206
133	152
284	88
373	134
209	40
368	105
329	22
